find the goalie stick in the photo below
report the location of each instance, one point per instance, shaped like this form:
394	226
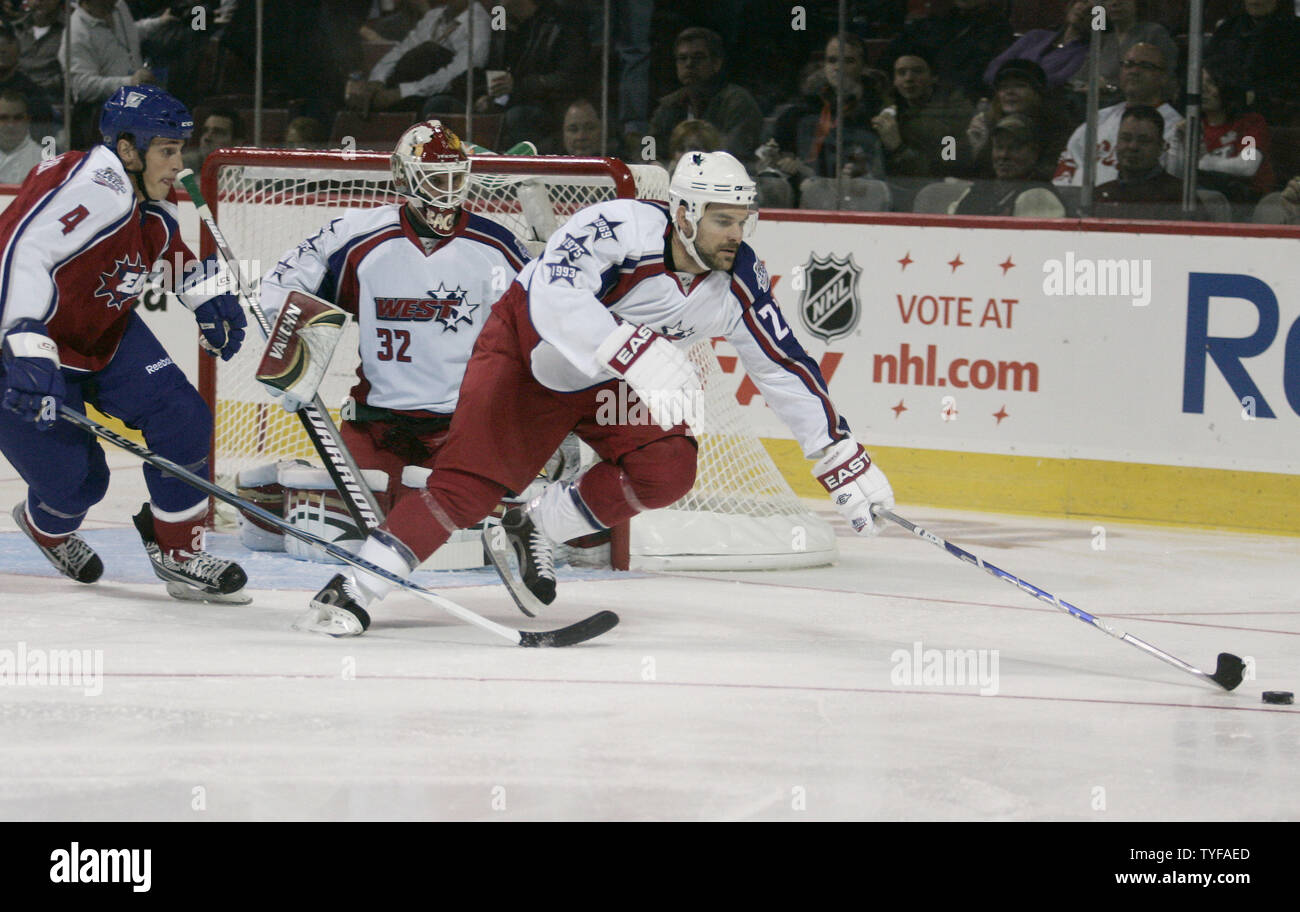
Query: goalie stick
583	630
1227	673
315	418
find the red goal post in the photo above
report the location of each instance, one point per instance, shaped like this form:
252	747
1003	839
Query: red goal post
741	512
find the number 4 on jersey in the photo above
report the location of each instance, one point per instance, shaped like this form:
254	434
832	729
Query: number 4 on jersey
71	219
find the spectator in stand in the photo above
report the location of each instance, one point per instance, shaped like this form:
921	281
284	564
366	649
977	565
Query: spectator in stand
1020	87
40	35
12	79
805	133
305	133
1123	30
580	133
19	153
536	63
221	128
103	55
1143	81
705	95
395	25
919	131
1143	189
1011	187
962	42
1236	148
309	48
1291	201
691	136
1060	52
426	69
1262	43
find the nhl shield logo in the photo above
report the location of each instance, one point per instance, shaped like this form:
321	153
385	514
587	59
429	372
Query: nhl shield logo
829	301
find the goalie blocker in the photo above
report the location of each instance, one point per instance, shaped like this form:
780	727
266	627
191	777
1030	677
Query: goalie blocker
299	349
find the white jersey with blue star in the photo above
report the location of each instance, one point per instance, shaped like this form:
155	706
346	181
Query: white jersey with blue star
606	265
420	303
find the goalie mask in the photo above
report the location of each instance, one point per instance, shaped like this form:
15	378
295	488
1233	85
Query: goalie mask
431	169
709	177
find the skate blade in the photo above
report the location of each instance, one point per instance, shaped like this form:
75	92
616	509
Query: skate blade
528	603
328	620
190	594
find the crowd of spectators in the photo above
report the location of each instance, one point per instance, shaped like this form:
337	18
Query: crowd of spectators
986	94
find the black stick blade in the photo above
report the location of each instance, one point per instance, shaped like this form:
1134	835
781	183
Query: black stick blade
584	630
1229	672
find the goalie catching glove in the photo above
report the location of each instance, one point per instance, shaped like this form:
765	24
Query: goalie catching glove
299	350
659	372
854	484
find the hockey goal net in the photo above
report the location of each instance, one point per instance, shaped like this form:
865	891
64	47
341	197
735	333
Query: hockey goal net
741	512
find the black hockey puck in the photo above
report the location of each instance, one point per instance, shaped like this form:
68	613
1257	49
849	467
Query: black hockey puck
1284	697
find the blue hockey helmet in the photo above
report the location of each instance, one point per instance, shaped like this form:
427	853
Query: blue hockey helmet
145	112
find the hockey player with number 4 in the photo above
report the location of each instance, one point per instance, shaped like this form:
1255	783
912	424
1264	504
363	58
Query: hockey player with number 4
79	243
616	287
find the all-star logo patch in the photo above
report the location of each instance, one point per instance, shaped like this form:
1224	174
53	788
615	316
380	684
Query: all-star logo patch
109	178
829	304
124	283
604	228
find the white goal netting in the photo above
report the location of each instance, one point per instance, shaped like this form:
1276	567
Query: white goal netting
741	512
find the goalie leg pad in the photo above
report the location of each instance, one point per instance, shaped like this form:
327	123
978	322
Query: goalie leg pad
300	347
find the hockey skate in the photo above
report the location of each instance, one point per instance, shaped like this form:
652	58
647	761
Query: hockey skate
194	576
338	610
518	536
72	557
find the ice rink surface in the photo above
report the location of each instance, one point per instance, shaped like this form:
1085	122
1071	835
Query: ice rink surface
779	695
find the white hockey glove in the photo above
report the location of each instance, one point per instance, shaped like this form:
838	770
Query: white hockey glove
299	350
659	372
854	484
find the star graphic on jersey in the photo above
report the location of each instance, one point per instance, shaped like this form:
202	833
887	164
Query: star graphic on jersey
676	331
573	248
121	286
561	272
604	228
452	307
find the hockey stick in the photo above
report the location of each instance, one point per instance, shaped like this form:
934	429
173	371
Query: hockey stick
583	630
1227	674
316	421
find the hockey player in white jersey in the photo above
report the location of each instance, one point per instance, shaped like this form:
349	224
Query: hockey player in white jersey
617	285
420	278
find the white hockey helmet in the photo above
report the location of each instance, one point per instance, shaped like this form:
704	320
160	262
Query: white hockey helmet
431	169
701	178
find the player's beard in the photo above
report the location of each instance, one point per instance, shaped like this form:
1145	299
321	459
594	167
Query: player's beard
715	258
